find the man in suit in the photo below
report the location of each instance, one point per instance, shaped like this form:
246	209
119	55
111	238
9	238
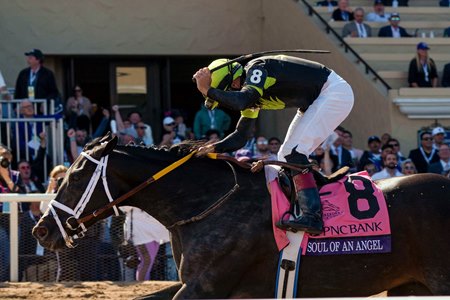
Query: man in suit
443	165
357	28
36	81
425	154
444	3
393	30
446	76
343	12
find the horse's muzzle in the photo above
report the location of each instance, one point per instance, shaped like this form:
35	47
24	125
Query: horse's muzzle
48	238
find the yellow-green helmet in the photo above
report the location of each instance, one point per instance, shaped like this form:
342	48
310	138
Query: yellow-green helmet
223	77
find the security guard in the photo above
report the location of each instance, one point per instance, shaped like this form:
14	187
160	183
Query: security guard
323	100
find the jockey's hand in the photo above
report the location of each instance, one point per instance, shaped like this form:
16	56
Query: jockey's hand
202	151
203	80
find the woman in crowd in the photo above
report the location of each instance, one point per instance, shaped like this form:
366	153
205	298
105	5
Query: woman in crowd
422	69
408	167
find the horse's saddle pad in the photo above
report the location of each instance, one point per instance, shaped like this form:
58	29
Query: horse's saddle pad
355	216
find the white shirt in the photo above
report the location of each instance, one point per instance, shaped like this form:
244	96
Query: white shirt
362	33
373	17
396	32
445	165
146	229
383	174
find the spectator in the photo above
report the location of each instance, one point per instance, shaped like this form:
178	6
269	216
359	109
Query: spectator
370	168
170	136
385	137
326	160
78	139
357	28
444	3
344	156
78	105
425	154
327	3
27	133
390	168
146	234
134	117
262	148
213	135
56	176
8	183
395	144
274	147
422	69
140	130
373	155
385	150
343	12
438	135
393	30
206	119
27	180
378	14
347	143
446	76
397	2
181	128
36	81
443	165
446	32
408	167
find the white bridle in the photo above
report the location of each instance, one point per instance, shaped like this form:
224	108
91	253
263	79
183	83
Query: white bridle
100	171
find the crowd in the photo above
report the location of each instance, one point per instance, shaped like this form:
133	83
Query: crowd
84	121
422	71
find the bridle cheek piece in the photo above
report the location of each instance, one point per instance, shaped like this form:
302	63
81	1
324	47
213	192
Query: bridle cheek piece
72	223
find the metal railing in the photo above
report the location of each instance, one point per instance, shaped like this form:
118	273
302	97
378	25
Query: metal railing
347	48
17	133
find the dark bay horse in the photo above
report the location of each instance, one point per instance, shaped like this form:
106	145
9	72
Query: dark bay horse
231	252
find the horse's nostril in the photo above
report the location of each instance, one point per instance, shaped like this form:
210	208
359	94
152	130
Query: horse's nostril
41	232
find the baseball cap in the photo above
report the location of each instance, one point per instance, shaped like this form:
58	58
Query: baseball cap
394	15
36	53
437	130
423	46
376	2
373	138
168	120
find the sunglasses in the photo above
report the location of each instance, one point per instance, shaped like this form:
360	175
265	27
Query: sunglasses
262	143
393	145
171	124
426	139
24	167
408	168
77	90
395	19
140	127
274	144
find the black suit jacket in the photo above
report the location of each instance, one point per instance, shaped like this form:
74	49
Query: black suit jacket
337	16
436	168
44	87
387	32
446	76
420	162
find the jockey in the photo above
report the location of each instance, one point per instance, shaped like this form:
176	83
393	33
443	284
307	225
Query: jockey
323	100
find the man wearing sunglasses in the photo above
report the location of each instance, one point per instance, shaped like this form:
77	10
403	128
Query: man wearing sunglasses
425	155
393	30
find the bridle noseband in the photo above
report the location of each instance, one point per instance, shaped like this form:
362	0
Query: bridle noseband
78	224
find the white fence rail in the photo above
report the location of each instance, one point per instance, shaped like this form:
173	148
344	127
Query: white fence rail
13	200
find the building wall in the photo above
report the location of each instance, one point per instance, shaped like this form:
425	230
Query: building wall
191	27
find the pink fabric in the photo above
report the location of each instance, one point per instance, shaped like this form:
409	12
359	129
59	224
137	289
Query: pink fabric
338	221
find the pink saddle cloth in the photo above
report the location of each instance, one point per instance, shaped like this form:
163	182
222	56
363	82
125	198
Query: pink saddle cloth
355	216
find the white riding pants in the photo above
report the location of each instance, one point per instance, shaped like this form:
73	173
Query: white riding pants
308	130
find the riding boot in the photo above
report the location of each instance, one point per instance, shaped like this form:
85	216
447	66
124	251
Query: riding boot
307	197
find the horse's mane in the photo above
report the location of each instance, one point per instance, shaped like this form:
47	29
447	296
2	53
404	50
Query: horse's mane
181	149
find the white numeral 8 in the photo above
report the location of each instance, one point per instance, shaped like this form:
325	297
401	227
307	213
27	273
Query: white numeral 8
256	76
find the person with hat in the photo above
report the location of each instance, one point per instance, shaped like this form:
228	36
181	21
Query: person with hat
275	82
373	155
393	30
438	135
36	81
422	69
170	136
378	14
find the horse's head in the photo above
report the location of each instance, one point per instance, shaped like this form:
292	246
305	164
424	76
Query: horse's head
60	224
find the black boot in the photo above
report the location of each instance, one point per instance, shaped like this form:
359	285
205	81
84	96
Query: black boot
308	200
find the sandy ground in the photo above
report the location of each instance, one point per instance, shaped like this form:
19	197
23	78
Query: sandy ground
80	290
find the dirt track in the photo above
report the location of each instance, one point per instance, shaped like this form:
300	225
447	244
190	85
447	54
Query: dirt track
80	290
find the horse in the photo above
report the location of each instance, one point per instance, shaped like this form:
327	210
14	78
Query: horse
219	217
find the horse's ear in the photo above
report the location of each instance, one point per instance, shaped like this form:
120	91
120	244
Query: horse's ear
107	144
